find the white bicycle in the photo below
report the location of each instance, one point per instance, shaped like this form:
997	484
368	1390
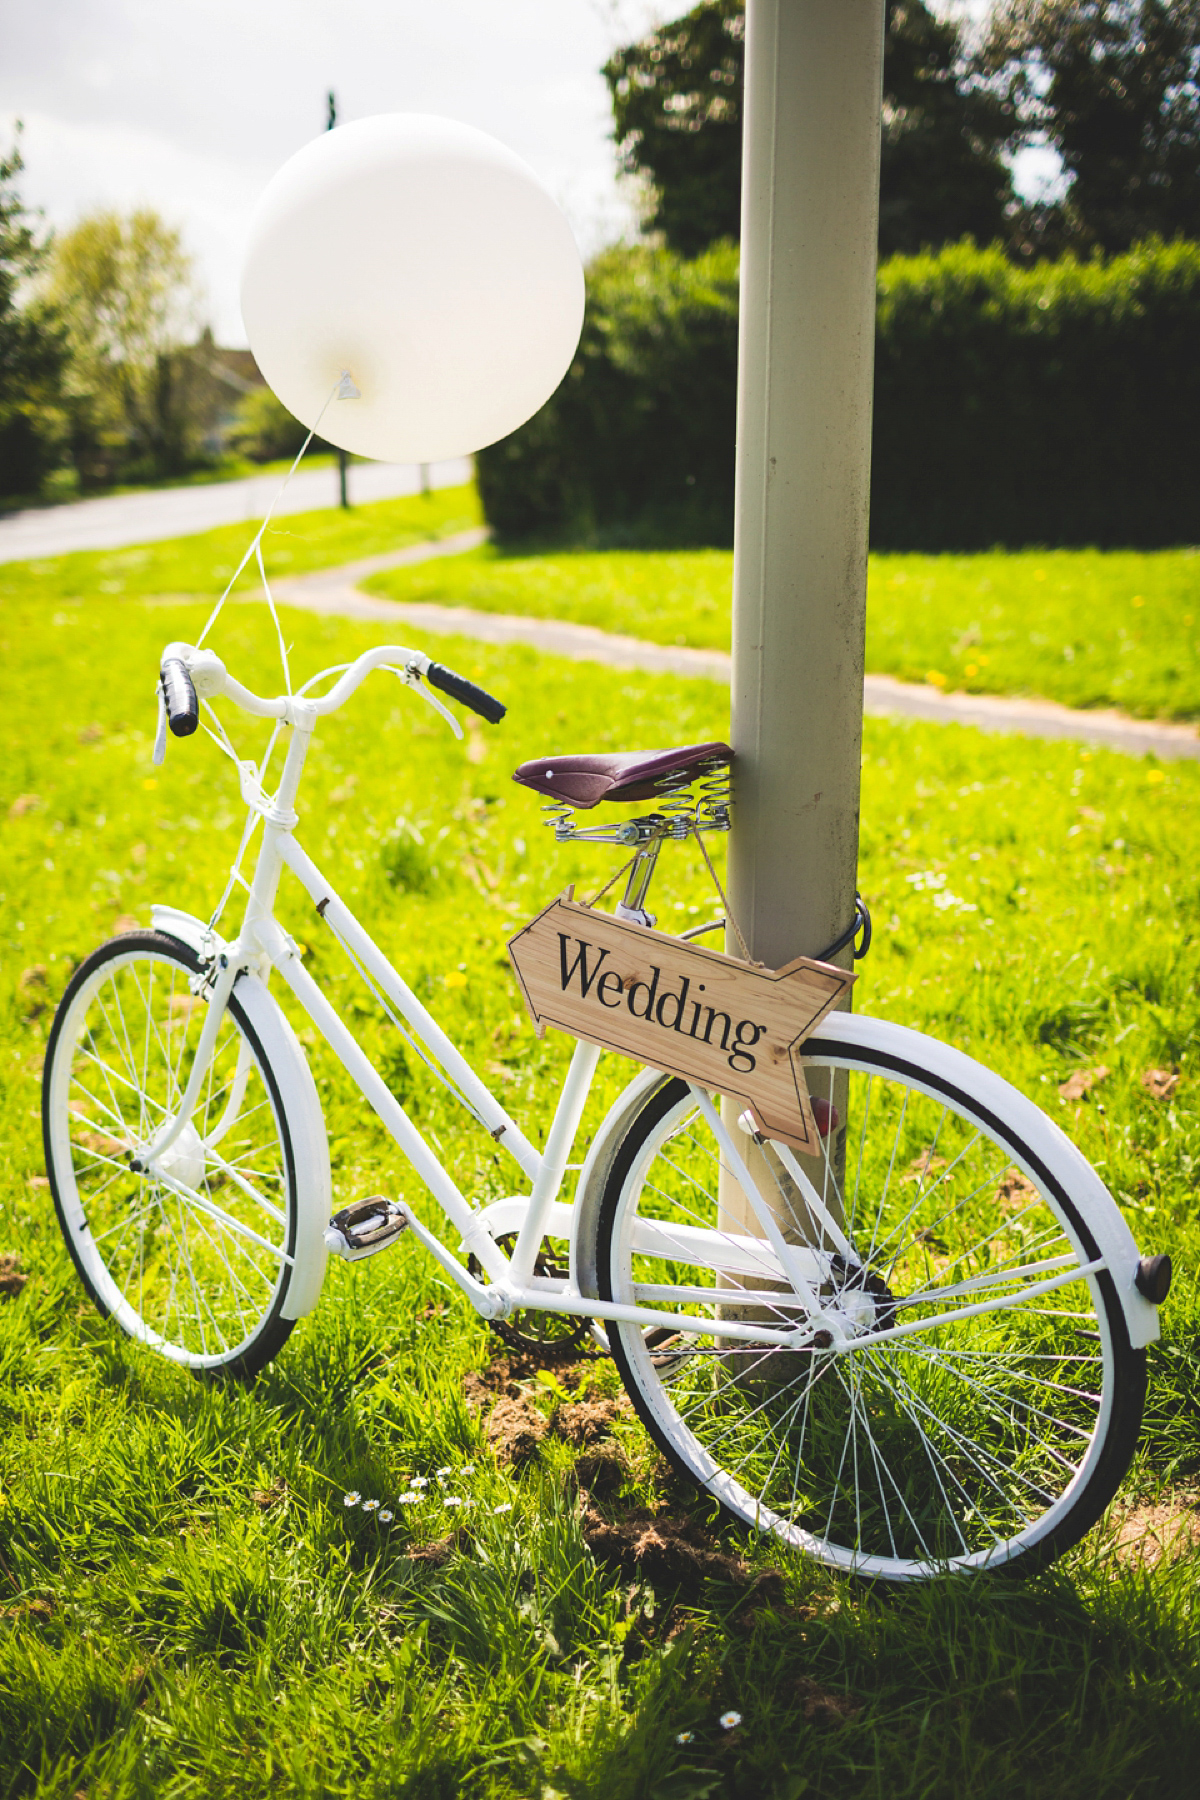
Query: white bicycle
921	1350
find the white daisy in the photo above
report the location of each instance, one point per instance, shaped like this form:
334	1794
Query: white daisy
684	1737
386	1516
370	1506
507	1507
729	1720
418	1481
451	1500
351	1499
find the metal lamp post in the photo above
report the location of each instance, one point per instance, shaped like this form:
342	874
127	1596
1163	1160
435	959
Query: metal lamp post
810	205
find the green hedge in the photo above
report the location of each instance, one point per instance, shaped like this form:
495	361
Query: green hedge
1050	405
637	444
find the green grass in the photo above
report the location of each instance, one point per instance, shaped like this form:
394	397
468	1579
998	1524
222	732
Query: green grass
1084	627
186	1607
204	562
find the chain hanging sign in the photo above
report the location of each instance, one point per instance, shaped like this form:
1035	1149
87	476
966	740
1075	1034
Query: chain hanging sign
732	1026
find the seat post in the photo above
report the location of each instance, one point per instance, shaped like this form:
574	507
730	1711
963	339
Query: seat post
641	875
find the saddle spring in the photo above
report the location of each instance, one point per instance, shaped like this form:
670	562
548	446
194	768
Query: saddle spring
696	800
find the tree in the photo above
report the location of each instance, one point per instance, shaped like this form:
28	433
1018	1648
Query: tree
32	348
126	290
941	173
265	431
1114	86
677	109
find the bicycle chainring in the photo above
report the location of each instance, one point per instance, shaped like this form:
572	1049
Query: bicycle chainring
553	1336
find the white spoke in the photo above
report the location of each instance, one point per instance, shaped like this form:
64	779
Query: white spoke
189	1273
210	1208
949	1406
251	1192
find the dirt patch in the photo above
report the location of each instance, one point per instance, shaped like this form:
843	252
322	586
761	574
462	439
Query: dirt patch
921	1166
1076	1086
28	1609
1160	1084
476	1391
1015	1192
12	1277
1143	1535
503	1375
601	1472
673	1552
507	1374
514	1429
268	1497
100	1143
432	1556
824	1706
582	1423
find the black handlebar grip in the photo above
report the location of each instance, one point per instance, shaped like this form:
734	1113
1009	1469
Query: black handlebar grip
183	709
459	688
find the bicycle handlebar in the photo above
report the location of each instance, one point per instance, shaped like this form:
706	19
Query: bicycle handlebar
191	673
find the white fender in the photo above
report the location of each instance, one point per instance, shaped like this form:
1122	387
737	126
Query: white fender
302	1109
594	1175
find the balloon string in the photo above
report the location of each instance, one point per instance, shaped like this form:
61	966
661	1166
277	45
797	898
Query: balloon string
254	547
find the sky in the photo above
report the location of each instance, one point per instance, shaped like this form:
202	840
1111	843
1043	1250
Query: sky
190	106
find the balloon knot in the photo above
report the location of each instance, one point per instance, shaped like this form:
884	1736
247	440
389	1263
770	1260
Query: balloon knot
346	389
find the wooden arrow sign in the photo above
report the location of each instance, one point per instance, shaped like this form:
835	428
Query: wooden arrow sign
733	1026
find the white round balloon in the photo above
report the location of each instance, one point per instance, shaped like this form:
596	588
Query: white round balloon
425	260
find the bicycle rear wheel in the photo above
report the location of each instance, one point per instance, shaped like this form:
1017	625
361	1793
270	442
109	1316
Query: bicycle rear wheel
195	1263
990	1430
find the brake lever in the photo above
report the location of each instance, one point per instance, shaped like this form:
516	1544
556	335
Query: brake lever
411	677
160	736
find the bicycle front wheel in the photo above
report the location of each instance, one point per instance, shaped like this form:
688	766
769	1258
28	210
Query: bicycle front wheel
194	1262
982	1401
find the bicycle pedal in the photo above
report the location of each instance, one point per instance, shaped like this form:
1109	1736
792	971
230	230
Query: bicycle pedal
365	1228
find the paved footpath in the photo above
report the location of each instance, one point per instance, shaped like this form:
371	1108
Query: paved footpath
336	591
148	516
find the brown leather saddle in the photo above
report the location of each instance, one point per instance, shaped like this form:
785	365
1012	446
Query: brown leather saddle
583	781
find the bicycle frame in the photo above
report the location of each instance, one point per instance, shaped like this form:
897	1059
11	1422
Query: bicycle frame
262	944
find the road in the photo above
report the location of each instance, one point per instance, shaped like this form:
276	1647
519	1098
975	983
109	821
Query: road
155	513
